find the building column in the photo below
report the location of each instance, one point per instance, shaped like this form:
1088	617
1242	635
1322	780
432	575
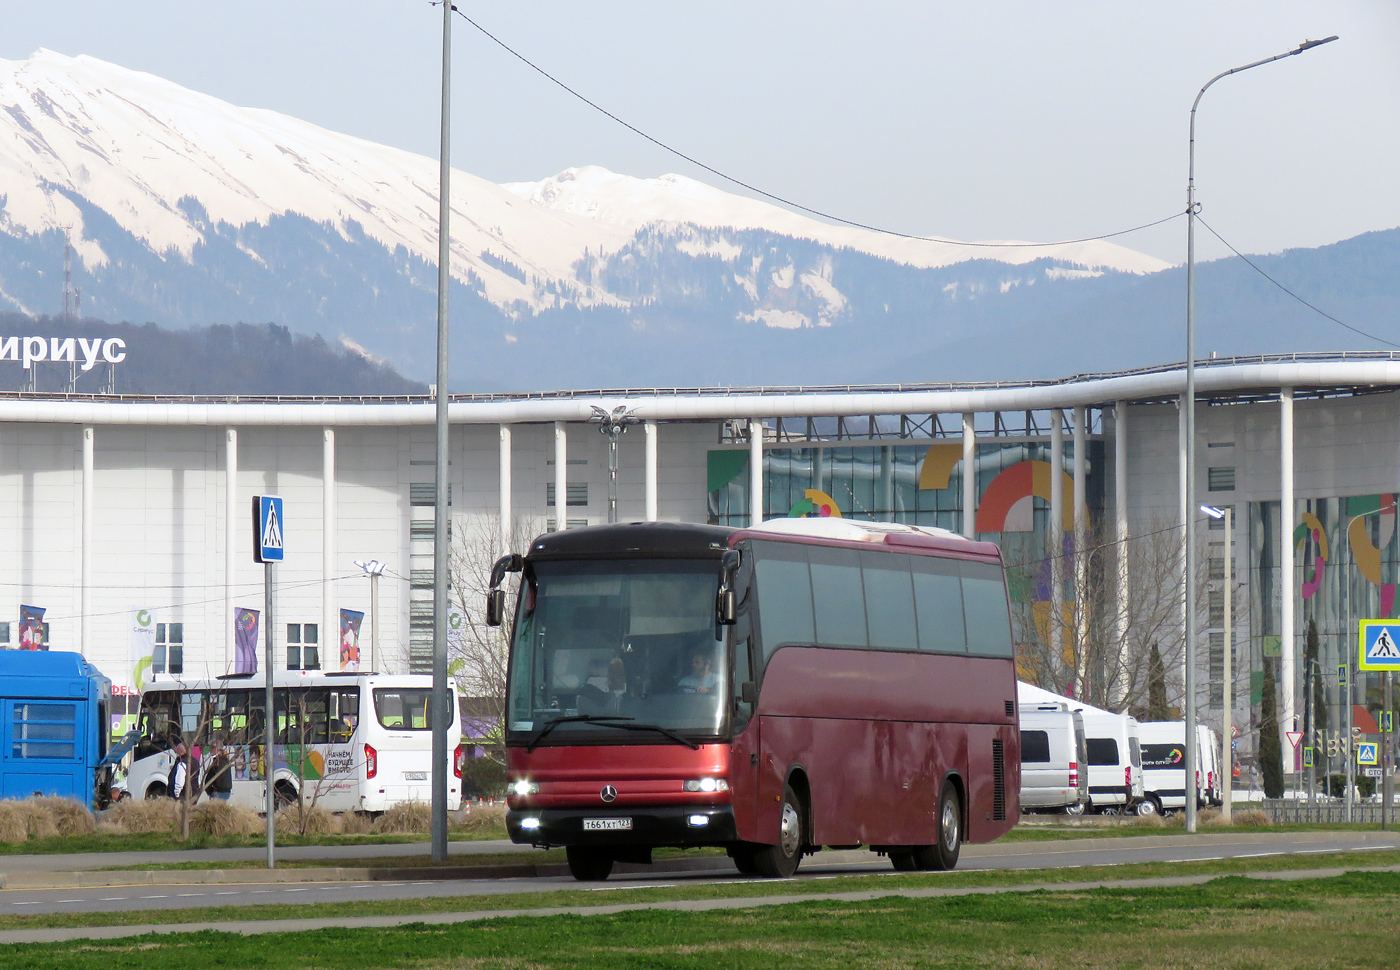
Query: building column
1120	537
329	644
1081	556
1057	537
755	471
969	475
887	482
85	603
650	431
507	512
1287	675
231	520
561	477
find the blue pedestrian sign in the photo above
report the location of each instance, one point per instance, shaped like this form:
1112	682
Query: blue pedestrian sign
269	530
1366	754
1380	645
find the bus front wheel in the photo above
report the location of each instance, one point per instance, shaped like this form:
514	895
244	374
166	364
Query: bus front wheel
155	791
780	861
943	855
588	864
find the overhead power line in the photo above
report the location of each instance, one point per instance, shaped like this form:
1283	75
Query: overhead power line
778	198
1254	266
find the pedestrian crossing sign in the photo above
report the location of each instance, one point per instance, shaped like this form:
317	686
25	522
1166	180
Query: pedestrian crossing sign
1380	645
268	529
1366	754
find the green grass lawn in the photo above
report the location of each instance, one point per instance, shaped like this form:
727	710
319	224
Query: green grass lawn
738	888
1345	921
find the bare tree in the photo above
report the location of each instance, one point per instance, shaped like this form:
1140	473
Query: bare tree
477	653
1116	643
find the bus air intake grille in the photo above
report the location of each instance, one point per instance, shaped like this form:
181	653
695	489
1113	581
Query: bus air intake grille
1010	708
998	781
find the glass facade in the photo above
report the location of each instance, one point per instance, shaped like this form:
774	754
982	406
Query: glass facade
921	484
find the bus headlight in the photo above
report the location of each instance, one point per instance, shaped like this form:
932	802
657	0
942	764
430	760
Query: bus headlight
707	784
699	821
523	788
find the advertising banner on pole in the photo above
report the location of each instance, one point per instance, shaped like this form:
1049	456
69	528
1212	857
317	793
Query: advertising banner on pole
31	628
245	640
350	621
142	641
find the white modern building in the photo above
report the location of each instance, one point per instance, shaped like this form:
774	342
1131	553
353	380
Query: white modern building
114	505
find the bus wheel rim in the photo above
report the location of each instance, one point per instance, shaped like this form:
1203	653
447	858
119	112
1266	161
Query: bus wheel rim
950	824
791	834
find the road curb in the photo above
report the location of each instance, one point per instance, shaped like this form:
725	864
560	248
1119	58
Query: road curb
205	877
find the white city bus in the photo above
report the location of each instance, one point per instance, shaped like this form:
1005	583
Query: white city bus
352	741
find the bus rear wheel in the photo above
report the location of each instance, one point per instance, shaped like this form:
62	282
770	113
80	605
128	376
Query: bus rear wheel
944	854
587	864
780	861
157	790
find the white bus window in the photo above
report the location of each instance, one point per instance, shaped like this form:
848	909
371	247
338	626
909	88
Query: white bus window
402	708
344	714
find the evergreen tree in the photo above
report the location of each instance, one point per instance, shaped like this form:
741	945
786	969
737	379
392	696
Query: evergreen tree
1317	710
1270	746
1157	709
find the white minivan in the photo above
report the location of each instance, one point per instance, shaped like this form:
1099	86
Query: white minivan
1115	762
1164	766
1053	774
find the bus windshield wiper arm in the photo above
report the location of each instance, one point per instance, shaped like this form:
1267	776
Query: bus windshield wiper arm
586	718
609	720
661	730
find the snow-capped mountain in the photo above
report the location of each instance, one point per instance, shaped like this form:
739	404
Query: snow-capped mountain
184	209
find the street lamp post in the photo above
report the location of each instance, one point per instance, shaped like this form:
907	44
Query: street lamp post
1189	557
613	425
373	569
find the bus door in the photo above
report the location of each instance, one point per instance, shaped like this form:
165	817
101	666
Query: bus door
744	729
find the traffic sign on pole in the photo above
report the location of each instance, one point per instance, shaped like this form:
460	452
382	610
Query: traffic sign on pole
1294	737
269	529
1379	644
1366	754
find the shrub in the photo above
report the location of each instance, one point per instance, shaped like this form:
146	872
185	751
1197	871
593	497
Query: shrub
38	824
69	816
1208	816
480	820
1252	816
12	826
1149	822
412	818
355	823
138	815
218	817
306	820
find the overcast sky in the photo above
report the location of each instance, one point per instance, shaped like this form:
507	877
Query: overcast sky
1014	120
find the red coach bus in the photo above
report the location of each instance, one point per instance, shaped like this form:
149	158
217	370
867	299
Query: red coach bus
805	683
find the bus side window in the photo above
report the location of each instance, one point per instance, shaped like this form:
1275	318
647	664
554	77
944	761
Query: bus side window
315	723
344	714
743	673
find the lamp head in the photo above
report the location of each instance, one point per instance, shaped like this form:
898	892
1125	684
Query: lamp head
1213	512
1308	45
372	568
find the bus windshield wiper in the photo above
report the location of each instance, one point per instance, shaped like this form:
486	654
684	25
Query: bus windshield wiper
585	718
609	720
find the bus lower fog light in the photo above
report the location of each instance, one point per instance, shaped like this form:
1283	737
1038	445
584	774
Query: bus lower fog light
525	788
699	821
529	823
707	784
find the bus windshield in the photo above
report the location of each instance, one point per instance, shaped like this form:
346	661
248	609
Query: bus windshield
630	642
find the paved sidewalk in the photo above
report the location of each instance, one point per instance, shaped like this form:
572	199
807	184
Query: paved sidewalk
251	927
327	853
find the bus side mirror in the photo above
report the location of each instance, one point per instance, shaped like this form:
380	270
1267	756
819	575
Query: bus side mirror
510	563
495	607
748	692
727	606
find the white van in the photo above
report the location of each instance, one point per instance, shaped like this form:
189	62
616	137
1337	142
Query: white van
1115	762
1164	766
1053	773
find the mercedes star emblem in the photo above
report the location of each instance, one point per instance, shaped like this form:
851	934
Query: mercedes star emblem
608	793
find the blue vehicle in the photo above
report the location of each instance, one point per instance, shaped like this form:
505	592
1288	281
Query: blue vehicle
54	727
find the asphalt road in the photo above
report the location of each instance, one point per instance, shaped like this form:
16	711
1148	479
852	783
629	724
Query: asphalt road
1072	853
